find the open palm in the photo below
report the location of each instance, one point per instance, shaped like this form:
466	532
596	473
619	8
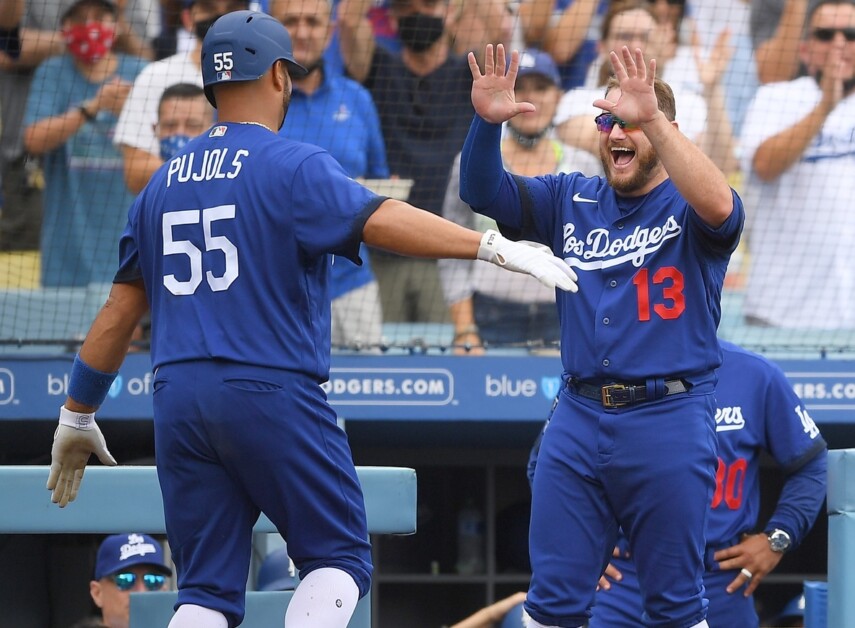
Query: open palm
637	102
493	91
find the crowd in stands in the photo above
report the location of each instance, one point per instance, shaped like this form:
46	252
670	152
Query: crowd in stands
764	88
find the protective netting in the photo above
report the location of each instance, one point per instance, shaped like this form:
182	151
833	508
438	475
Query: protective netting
765	92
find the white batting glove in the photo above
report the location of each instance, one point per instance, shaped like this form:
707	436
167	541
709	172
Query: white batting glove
533	259
76	438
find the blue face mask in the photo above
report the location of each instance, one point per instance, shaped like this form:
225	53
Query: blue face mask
169	146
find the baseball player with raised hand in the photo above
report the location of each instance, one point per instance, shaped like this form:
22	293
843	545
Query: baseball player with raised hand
228	246
631	443
756	411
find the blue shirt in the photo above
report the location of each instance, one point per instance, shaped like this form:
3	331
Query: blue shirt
340	117
85	198
231	238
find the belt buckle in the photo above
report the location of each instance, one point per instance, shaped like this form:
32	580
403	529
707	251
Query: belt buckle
606	393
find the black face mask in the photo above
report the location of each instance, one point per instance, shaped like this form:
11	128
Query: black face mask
418	32
201	27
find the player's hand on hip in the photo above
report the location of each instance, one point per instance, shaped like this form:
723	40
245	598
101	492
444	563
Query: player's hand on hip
533	259
76	438
493	95
752	558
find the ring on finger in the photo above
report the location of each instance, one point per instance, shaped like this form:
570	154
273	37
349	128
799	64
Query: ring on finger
746	573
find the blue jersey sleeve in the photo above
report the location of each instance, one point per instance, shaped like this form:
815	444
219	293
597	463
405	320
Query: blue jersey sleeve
481	169
721	240
323	198
795	442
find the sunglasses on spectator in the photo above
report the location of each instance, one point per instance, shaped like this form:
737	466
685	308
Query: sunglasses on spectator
607	121
827	34
151	581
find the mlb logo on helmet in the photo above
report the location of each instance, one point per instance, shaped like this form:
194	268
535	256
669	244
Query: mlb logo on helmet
225	75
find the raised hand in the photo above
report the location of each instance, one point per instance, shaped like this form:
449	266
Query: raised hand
493	91
712	68
637	101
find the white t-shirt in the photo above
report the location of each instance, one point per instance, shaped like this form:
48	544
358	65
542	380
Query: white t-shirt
139	115
691	108
800	227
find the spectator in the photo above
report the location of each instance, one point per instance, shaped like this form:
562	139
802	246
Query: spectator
135	129
126	563
20	220
703	119
421	136
491	308
757	413
711	29
11	12
71	113
337	114
776	30
566	29
798	142
182	113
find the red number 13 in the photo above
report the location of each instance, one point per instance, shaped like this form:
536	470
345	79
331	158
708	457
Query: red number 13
672	293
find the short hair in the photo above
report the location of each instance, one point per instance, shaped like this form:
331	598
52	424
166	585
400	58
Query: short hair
185	91
623	6
664	96
814	6
105	5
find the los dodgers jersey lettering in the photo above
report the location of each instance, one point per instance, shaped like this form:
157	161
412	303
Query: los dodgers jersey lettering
650	273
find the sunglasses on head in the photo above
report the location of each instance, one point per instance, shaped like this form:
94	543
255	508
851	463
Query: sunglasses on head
827	34
151	581
607	121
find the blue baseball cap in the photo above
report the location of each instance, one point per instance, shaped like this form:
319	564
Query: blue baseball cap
515	618
794	608
277	572
121	551
534	61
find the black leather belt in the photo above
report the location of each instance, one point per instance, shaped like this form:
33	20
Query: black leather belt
617	395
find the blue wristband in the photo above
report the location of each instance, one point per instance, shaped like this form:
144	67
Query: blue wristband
87	385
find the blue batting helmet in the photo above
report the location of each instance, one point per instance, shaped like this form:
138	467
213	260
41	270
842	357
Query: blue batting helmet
241	46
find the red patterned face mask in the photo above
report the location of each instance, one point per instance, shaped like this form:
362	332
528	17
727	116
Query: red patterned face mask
89	42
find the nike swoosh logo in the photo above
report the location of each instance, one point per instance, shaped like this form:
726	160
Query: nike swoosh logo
582	199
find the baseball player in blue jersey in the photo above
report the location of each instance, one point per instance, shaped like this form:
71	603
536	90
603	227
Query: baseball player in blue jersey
756	411
228	247
631	443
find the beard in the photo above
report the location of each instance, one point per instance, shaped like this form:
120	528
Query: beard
646	162
286	102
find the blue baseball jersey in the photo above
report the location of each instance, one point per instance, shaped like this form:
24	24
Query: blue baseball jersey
231	239
757	410
650	273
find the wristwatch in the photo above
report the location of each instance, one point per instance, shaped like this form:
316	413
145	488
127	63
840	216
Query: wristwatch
779	540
